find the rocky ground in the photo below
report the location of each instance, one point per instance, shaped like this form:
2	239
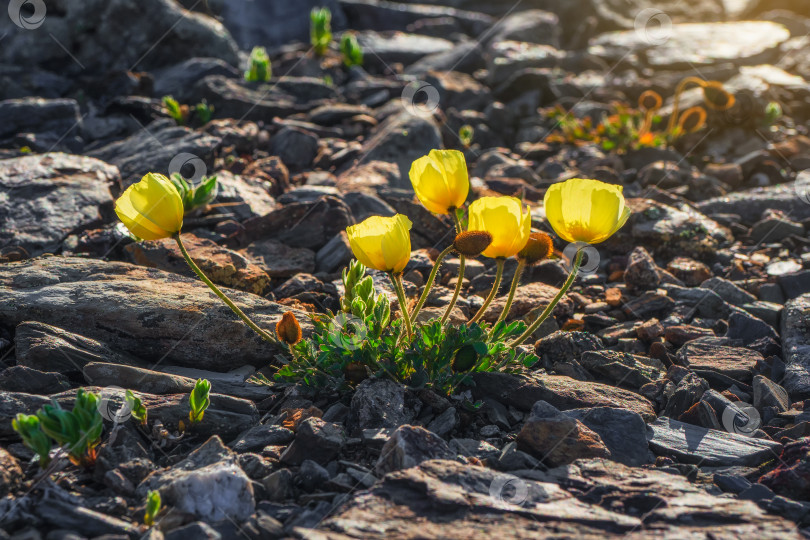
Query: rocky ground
669	399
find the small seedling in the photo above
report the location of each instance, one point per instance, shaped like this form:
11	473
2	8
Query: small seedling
466	133
773	112
195	197
199	400
351	50
152	508
178	112
260	69
28	428
78	431
203	112
136	408
320	30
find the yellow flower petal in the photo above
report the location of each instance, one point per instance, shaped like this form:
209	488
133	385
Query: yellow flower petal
152	208
440	180
584	210
382	243
505	219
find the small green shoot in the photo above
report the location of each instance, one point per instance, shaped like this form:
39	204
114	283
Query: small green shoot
195	197
351	50
199	400
178	112
28	428
260	69
203	112
773	112
320	30
137	409
152	508
465	134
78	431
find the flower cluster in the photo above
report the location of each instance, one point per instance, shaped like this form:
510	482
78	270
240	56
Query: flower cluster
366	338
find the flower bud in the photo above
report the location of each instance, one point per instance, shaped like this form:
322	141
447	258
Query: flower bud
717	97
650	100
538	247
288	330
692	119
472	243
465	359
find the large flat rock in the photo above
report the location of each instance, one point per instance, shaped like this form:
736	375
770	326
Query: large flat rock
44	198
750	204
474	502
688	443
796	347
700	44
154	315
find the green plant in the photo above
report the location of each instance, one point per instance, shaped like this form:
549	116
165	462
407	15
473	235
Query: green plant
465	134
773	112
361	341
178	112
199	400
260	69
203	112
195	197
351	50
320	29
153	503
78	431
28	428
136	408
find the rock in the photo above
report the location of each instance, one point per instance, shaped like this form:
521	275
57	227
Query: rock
399	47
530	26
748	328
796	347
176	80
750	204
279	485
623	432
795	284
775	229
687	443
409	446
314	439
166	148
311	476
474	448
383	15
649	304
705	302
222	266
302	225
729	291
336	254
86	37
379	403
562	347
558	439
681	45
260	436
401	139
280	261
11	475
690	271
444	423
50	117
564	393
47	197
689	390
198	529
208	484
530	505
623	368
769	394
31	381
138	309
765	311
296	147
64	515
791	477
527	298
706	354
248	196
641	272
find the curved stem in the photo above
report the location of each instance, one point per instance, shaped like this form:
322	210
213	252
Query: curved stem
511	298
546	312
673	119
456	221
462	262
492	293
264	335
403	306
429	283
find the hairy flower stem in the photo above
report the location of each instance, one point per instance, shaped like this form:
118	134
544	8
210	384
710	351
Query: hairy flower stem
546	312
430	281
495	286
673	119
403	306
264	335
511	298
461	265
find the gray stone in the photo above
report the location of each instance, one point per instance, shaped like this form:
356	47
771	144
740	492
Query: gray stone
444	423
708	354
766	311
641	272
198	529
260	436
44	198
623	368
409	446
775	229
796	347
296	147
687	443
279	485
31	381
769	394
280	260
57	117
748	328
249	196
729	291
399	47
795	284
336	254
751	204
623	432
378	403
315	439
60	514
474	448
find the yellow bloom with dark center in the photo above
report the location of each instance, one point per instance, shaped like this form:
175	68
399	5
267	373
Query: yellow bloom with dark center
506	220
382	243
584	210
440	180
152	208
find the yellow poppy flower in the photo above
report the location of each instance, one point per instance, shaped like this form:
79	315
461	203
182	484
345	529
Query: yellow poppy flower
440	180
583	210
505	219
382	243
152	208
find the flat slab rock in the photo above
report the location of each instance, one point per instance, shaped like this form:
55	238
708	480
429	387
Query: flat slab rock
156	315
796	347
735	362
688	443
565	393
477	502
699	43
44	198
